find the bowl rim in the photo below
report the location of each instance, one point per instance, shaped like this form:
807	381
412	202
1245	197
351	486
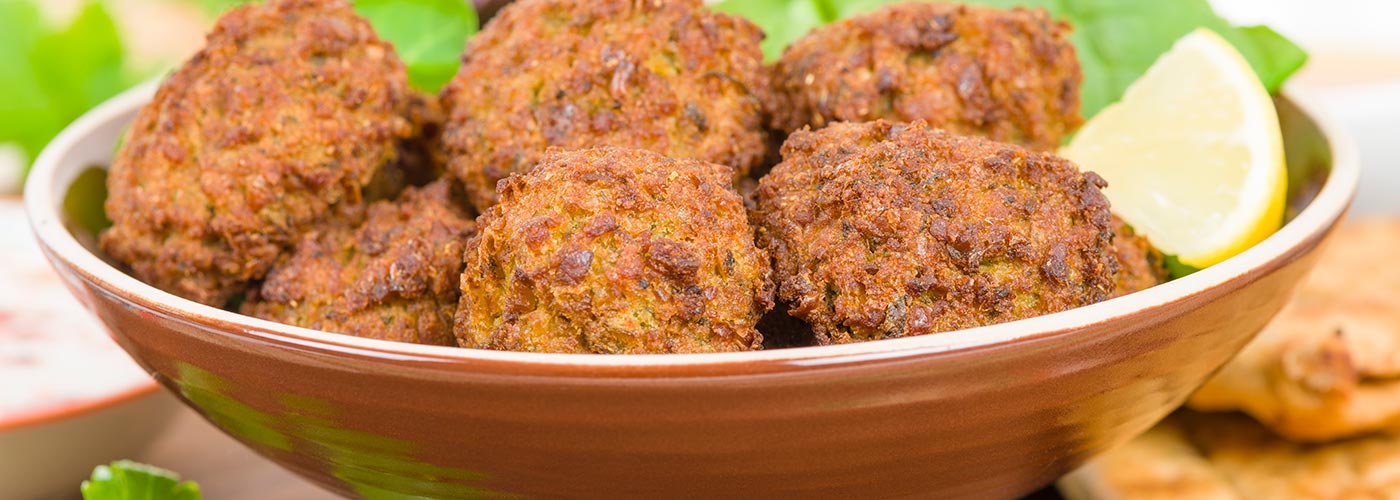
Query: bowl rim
1329	205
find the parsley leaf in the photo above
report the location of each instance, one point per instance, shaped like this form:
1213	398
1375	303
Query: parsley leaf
127	480
51	76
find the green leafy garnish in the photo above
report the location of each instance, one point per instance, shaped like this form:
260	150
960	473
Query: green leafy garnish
51	75
783	21
427	34
1116	40
1273	57
1176	269
127	480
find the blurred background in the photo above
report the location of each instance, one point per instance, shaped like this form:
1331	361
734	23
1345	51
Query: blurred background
1353	74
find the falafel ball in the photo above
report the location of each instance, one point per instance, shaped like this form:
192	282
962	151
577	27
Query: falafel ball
389	274
1140	265
1009	75
882	230
662	75
285	114
614	251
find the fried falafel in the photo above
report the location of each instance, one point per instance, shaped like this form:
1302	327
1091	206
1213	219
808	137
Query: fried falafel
391	274
287	113
663	75
881	230
614	250
1009	75
1140	265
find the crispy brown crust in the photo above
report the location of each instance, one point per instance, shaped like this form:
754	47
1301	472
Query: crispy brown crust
614	250
666	76
1140	265
285	114
882	230
1010	75
390	274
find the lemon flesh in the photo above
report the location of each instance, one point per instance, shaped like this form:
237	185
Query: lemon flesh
1192	154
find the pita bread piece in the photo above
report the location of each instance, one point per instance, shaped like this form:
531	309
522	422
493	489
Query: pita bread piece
1230	456
1328	366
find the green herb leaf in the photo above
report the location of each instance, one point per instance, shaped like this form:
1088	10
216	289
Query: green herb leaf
1276	58
1116	40
49	76
25	114
127	480
82	63
782	20
1176	269
427	34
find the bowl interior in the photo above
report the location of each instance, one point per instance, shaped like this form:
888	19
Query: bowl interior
66	190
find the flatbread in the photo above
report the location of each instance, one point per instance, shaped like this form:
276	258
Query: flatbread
1230	456
1328	366
1158	465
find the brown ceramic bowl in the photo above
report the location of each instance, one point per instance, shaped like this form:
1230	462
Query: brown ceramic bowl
989	412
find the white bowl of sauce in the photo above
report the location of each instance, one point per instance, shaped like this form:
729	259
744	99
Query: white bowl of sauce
70	398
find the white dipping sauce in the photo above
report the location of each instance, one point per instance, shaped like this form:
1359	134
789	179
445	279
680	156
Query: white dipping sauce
53	351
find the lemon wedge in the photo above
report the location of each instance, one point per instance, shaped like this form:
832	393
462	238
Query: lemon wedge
1192	154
